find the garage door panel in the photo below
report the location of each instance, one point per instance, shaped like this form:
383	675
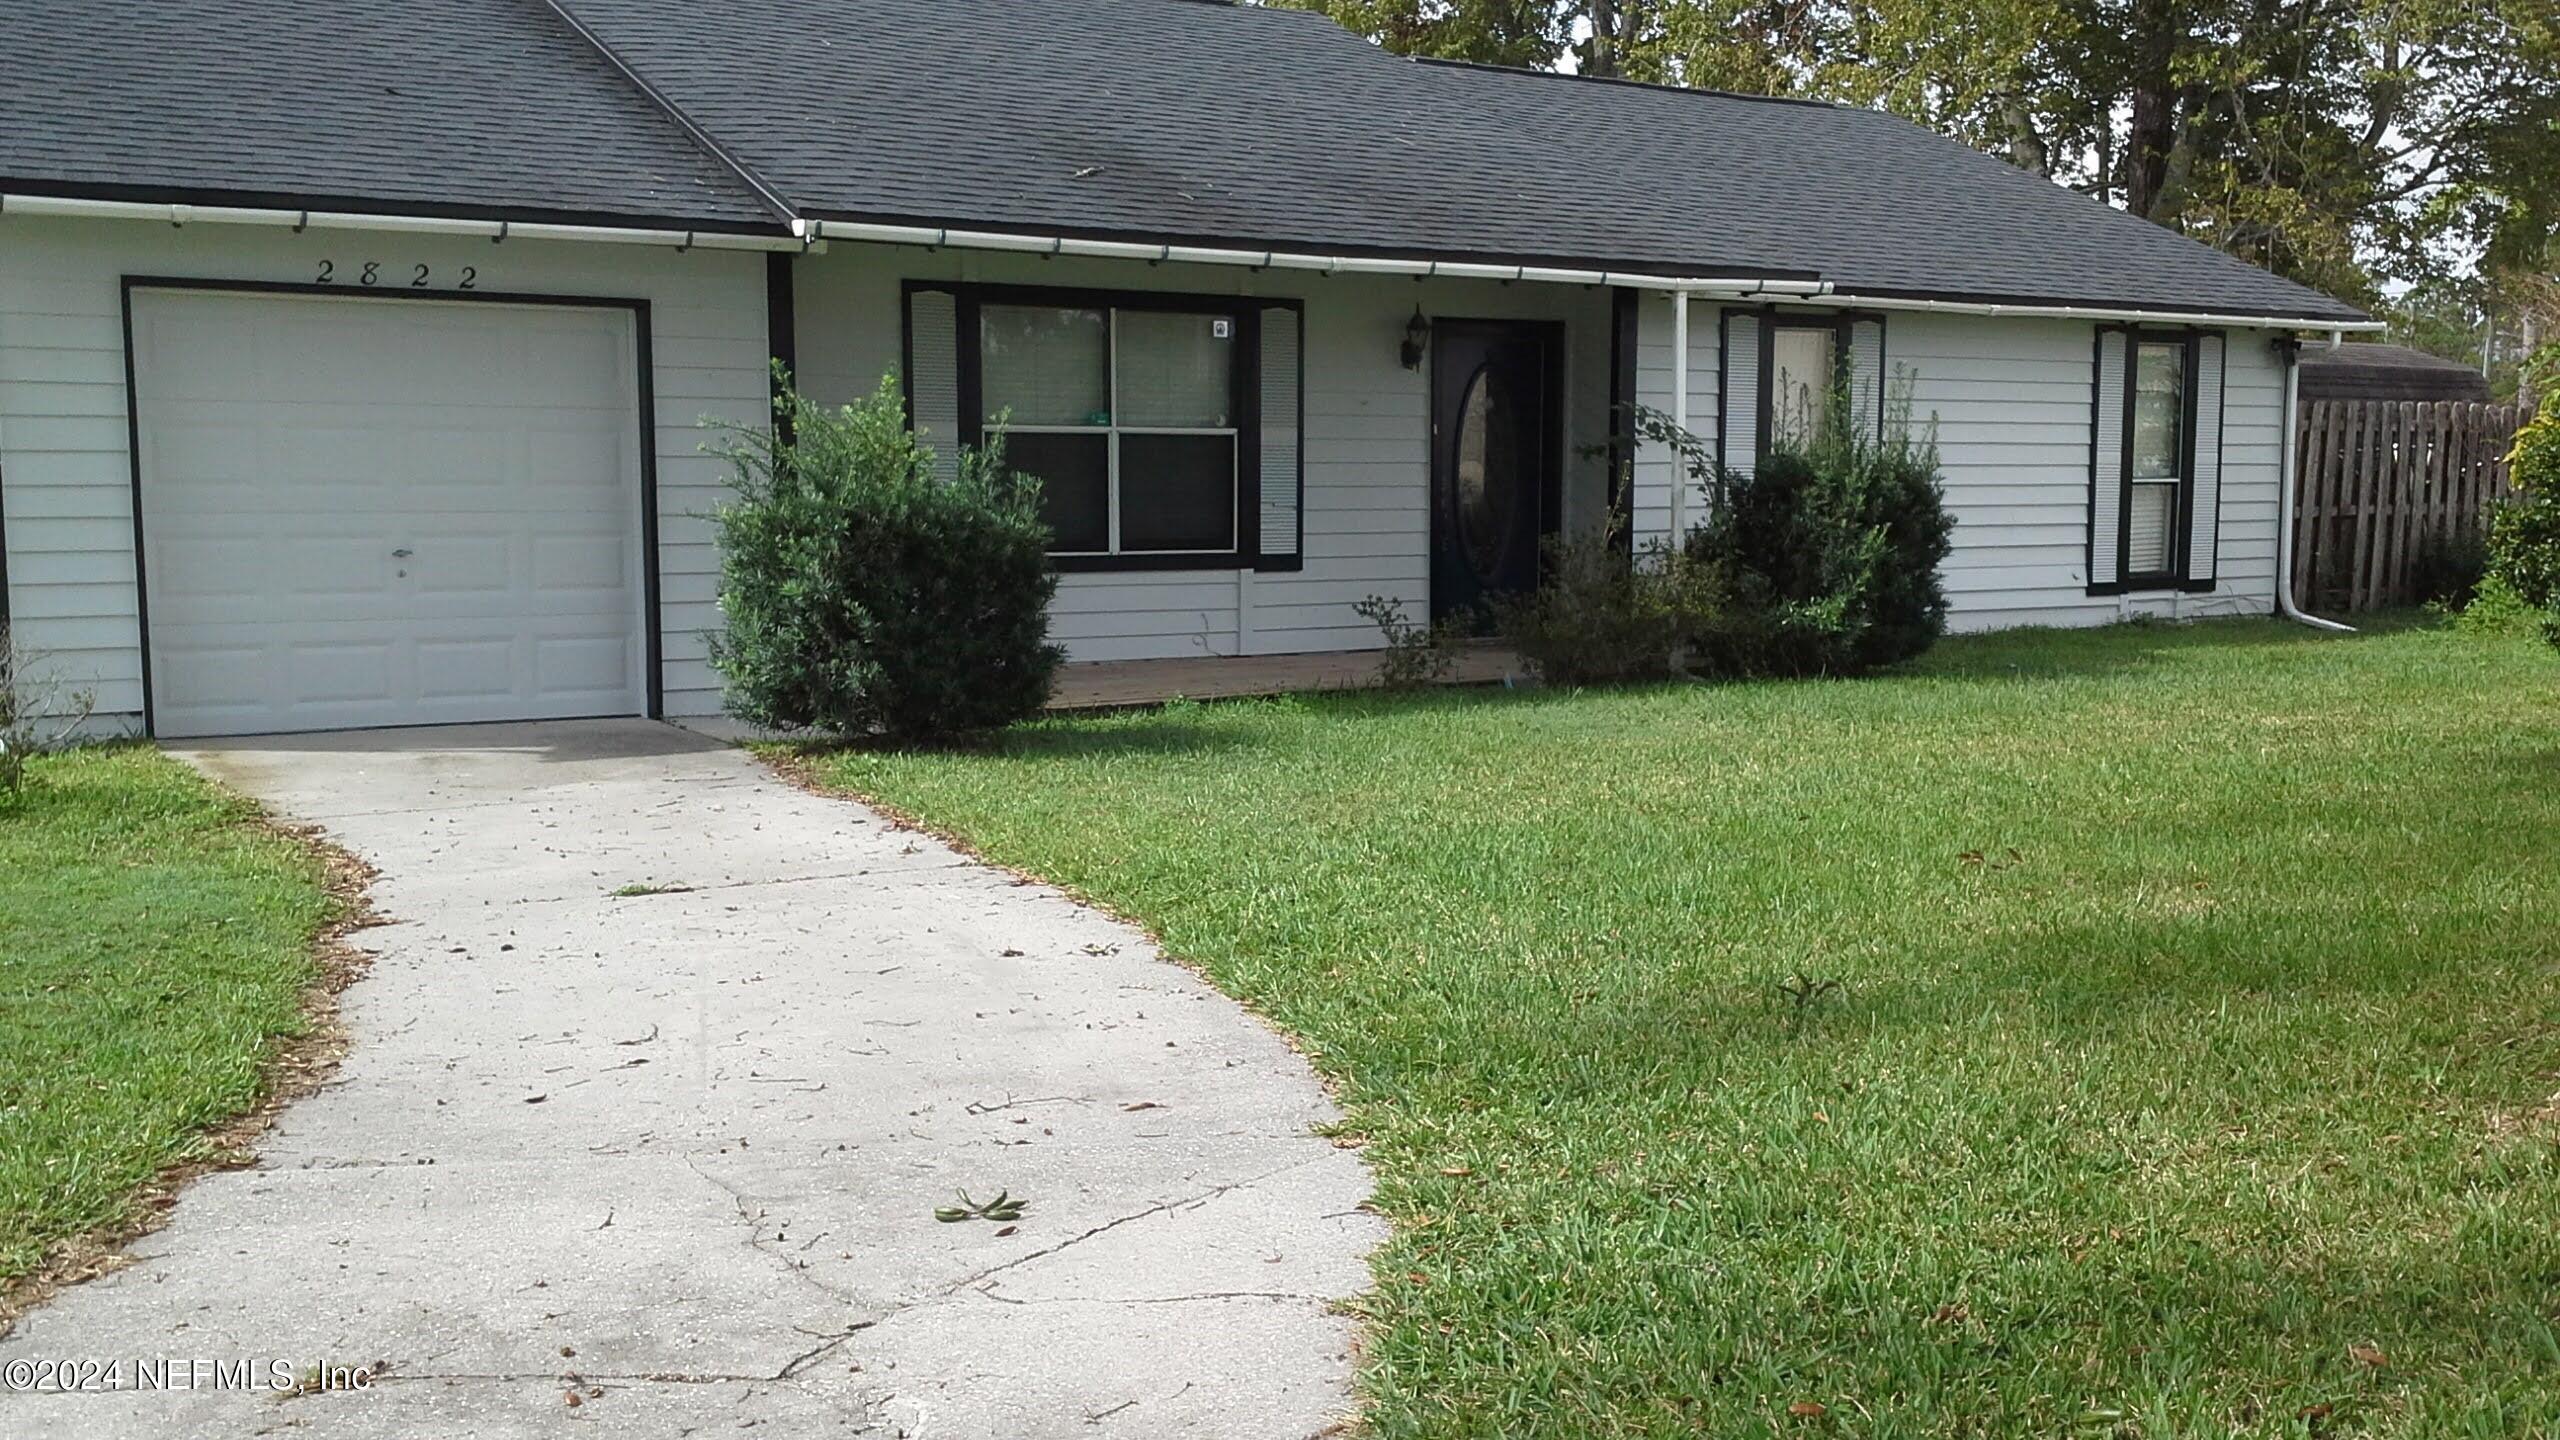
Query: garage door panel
591	665
463	566
211	566
220	680
576	366
570	567
456	461
347	672
223	458
385	513
486	668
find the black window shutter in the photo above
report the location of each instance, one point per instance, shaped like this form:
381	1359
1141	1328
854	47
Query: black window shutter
2106	462
1279	448
933	376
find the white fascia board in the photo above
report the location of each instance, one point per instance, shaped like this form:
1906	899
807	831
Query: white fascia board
2086	312
69	208
1167	252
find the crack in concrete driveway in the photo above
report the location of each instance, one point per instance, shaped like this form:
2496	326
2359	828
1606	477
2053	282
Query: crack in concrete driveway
678	1152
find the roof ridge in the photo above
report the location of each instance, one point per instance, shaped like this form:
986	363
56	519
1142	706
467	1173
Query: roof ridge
701	137
1450	63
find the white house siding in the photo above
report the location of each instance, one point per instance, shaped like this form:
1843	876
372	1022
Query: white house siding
1367	456
2011	400
66	482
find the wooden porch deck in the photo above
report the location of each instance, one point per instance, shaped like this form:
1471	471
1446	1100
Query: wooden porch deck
1105	684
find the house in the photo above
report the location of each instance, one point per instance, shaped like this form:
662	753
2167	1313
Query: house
354	353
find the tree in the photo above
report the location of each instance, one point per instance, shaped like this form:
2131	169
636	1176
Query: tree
1532	34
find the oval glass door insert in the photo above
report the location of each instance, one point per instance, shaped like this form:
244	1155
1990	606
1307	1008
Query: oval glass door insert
1488	474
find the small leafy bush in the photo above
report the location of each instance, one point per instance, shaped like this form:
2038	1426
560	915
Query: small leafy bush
1416	654
37	713
2496	609
1605	614
2524	533
867	596
1828	554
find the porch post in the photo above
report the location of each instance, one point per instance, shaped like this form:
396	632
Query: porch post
1679	410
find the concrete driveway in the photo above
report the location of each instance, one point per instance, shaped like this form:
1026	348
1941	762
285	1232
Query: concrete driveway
678	1153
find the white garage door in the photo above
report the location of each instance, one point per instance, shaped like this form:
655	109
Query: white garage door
379	512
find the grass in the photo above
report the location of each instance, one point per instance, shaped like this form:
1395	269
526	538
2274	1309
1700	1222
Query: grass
2149	1032
155	943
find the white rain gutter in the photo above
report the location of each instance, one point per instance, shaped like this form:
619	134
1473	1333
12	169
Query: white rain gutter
812	235
2086	312
1723	287
1020	243
60	207
2288	481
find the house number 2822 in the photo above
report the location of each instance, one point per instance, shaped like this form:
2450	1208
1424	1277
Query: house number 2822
370	275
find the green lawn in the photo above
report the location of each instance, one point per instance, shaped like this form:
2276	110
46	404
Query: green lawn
2192	1068
155	942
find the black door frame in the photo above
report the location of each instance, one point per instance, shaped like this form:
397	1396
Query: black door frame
1549	336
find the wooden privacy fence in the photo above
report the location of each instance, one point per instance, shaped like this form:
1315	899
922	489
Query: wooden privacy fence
2380	481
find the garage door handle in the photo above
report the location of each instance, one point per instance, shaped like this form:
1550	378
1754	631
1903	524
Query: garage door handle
401	554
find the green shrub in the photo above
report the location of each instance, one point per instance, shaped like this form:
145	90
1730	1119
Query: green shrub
1416	654
1828	554
2496	609
2524	533
2448	566
865	595
38	712
1604	614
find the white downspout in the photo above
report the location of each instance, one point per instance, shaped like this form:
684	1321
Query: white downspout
2287	468
1679	412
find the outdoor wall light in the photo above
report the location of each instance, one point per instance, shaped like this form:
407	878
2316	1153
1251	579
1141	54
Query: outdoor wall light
1417	339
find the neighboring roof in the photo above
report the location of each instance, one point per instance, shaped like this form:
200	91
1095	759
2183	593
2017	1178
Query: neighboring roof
487	107
1189	121
2387	372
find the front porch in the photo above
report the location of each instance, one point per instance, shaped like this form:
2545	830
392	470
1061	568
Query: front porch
1110	684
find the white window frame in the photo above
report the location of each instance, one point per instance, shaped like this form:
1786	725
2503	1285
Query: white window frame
1112	432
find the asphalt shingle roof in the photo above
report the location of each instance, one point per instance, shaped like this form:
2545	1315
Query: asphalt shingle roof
486	107
1183	120
1192	119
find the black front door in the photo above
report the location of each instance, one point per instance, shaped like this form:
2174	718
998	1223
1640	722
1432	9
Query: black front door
1494	460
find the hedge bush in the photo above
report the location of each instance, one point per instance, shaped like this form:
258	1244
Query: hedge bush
867	596
1822	561
1603	614
2524	533
1828	554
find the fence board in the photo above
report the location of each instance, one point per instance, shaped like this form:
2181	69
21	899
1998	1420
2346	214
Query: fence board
2378	481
